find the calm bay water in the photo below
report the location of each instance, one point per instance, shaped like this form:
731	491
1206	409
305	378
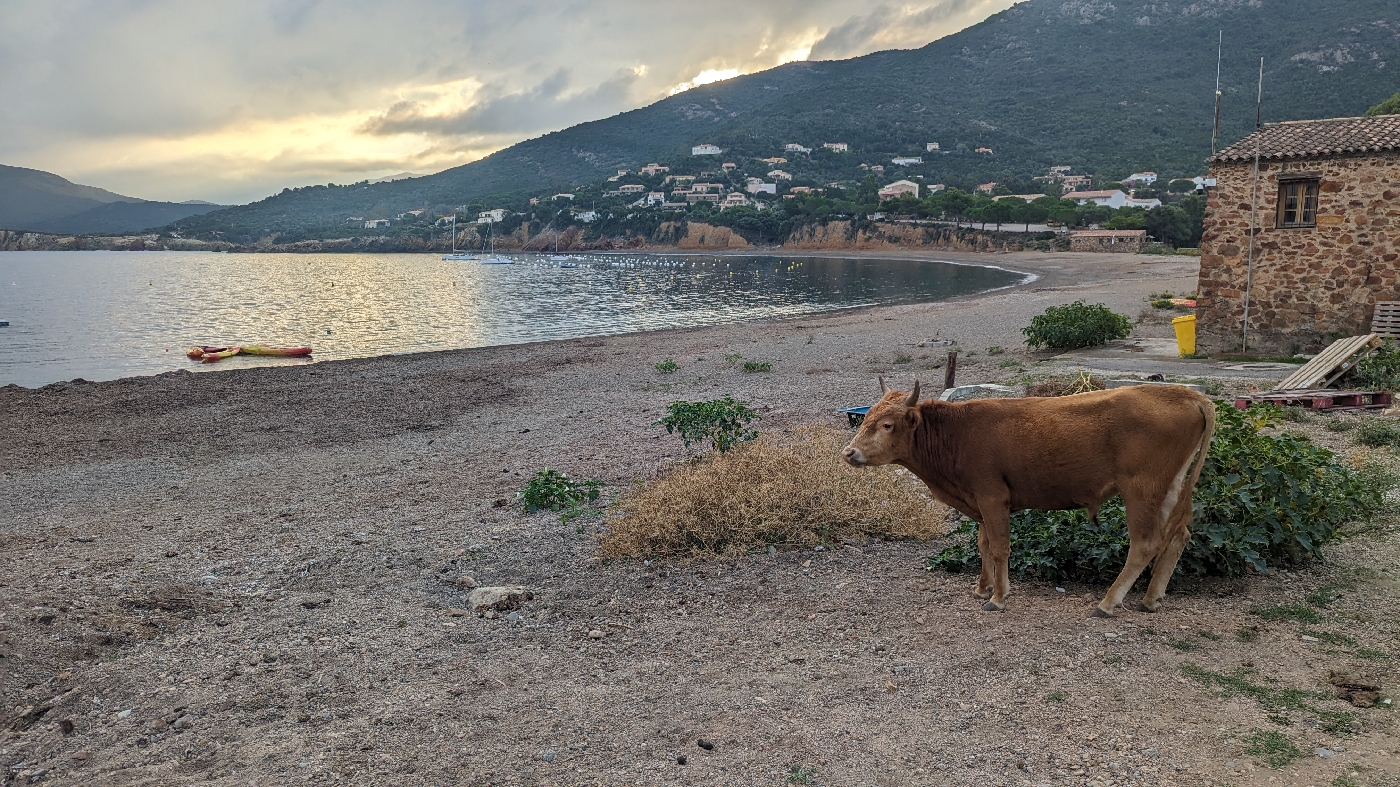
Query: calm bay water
104	315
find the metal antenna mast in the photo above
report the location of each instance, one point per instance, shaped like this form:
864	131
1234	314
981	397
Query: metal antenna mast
1219	52
1253	206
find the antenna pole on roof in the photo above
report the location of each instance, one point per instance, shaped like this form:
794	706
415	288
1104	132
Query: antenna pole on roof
1219	52
1253	208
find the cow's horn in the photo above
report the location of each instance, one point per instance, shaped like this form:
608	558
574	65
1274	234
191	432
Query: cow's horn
881	378
913	396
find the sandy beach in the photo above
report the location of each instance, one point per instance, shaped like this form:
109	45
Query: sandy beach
257	576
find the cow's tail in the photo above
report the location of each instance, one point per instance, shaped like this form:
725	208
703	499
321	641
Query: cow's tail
1207	410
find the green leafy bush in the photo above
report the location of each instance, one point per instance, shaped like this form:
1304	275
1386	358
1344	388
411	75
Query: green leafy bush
1263	500
555	491
1380	371
721	422
1076	325
667	366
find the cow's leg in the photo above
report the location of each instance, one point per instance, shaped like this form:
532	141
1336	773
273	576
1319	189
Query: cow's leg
984	581
1143	545
1165	564
996	555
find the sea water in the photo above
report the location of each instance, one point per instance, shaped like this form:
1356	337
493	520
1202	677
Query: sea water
103	315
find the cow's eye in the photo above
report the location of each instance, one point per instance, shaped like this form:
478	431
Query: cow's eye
887	426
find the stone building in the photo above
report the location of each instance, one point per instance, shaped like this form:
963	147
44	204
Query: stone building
1121	241
1326	237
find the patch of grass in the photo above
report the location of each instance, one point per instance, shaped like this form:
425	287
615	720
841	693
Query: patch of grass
1331	638
1297	415
1323	597
1162	303
1345	780
900	357
1339	424
1210	635
757	366
996	350
1272	747
1116	659
1296	612
667	366
1371	654
1057	696
774	490
733	358
1337	722
1247	634
1184	644
800	774
1376	433
1009	363
1239	685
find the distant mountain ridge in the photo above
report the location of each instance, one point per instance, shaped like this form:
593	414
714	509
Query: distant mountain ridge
1104	87
38	201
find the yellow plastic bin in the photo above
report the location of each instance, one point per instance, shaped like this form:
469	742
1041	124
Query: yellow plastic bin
1185	334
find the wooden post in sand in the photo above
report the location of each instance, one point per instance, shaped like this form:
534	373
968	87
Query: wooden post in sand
950	370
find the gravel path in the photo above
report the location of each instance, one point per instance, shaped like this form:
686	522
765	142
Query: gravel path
258	577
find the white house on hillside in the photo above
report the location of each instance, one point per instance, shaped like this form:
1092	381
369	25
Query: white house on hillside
907	161
793	147
1111	198
930	147
653	169
374	224
778	174
899	188
491	216
757	186
836	147
706	150
1145	178
1134	202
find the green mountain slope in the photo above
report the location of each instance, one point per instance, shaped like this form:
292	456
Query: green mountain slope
1105	87
39	201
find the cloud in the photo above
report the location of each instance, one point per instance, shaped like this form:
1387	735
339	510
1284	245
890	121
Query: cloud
168	99
546	104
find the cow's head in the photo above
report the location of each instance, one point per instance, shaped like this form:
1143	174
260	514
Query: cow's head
887	434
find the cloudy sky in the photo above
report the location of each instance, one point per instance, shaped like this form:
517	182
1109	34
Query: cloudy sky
230	102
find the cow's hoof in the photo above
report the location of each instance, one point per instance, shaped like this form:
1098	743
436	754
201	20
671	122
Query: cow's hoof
992	606
982	594
1099	613
1141	607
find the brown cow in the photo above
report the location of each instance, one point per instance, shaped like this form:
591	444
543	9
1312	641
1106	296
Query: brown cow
989	457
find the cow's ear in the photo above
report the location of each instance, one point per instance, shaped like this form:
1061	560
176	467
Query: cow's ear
913	416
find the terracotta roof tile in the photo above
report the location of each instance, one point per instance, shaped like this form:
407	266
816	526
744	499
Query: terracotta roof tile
1316	138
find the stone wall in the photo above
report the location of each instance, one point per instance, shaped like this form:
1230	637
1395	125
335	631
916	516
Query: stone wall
1310	285
1124	242
837	235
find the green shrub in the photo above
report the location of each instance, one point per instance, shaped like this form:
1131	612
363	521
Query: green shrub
722	422
1162	303
1263	500
1076	325
1376	433
760	366
1380	371
667	366
555	491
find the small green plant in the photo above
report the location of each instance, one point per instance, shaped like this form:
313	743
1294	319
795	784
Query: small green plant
1296	612
1057	696
1381	370
995	349
900	357
1210	635
800	774
1371	654
1272	747
1340	424
1115	659
1247	634
1376	433
1076	325
1346	780
667	366
1297	415
721	422
1185	644
733	358
1162	303
1322	597
757	366
555	491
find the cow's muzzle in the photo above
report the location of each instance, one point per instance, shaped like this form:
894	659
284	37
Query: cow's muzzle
853	456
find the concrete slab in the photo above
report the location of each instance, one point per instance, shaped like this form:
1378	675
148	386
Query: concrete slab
1143	357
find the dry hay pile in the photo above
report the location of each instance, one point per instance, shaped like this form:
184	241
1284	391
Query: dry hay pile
773	490
1063	386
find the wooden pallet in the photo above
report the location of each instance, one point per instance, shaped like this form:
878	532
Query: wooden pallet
1329	365
1385	320
1321	401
